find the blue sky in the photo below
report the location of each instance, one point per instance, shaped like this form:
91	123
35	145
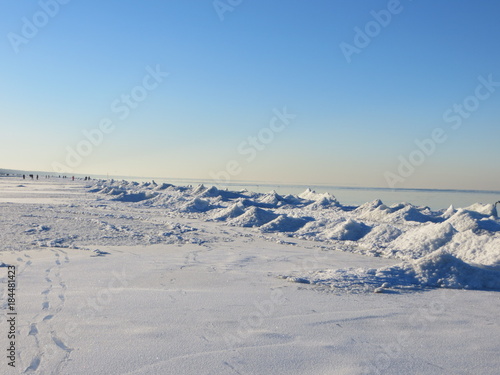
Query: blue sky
352	121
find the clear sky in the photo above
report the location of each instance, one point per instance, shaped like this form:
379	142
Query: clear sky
328	91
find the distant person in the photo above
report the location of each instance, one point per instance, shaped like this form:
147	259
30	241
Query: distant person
73	178
24	177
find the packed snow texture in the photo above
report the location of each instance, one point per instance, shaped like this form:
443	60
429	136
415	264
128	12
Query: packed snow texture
117	277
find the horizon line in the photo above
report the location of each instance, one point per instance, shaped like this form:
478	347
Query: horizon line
256	182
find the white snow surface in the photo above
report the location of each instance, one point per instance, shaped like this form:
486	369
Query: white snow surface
118	277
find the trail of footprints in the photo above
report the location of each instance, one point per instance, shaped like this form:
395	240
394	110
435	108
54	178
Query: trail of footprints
47	353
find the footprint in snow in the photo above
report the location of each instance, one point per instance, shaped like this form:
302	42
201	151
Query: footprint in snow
34	364
60	344
33	330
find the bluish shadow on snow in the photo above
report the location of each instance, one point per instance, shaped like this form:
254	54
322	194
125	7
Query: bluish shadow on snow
134	197
285	223
99	253
349	230
437	270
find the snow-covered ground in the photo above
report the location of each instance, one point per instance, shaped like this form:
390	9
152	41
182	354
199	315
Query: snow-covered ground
125	278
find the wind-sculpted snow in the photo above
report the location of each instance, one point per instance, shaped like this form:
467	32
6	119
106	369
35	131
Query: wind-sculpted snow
134	197
349	230
436	270
401	230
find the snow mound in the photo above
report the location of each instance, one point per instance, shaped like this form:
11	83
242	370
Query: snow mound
444	270
112	191
210	192
482	248
402	212
272	198
436	270
163	186
199	189
311	195
381	236
424	240
449	212
349	230
484	209
411	213
134	197
464	220
254	217
283	223
324	202
370	206
196	205
230	212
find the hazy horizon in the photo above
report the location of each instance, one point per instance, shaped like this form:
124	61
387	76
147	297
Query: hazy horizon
253	183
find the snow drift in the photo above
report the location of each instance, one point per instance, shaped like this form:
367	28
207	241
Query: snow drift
436	270
439	243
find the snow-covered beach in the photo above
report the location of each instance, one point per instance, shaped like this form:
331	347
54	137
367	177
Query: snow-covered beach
116	277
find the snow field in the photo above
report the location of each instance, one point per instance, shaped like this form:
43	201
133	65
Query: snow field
190	280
